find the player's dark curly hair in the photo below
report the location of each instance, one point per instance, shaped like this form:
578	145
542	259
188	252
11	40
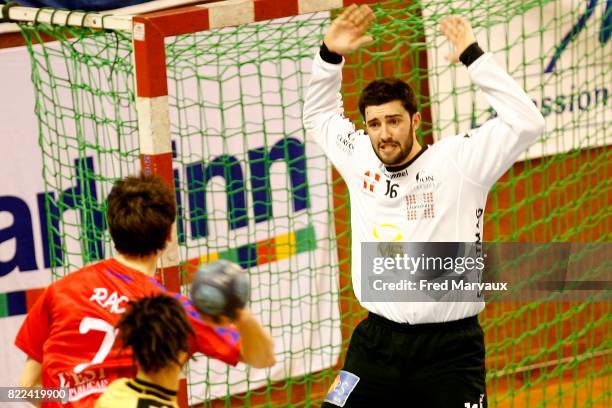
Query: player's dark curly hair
140	213
157	330
386	90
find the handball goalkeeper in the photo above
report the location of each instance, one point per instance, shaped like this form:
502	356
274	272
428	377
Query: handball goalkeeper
421	354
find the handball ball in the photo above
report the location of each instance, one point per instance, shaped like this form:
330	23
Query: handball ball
219	288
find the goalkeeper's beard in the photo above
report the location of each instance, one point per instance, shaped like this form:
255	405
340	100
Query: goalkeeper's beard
402	150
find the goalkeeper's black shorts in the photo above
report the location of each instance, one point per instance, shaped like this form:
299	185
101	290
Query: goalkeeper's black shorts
433	365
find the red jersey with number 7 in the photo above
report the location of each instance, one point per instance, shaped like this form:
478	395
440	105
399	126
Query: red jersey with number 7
70	330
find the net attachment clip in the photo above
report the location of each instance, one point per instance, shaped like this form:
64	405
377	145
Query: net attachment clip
4	17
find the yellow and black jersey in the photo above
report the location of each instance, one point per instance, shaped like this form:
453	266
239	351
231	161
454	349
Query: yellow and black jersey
136	393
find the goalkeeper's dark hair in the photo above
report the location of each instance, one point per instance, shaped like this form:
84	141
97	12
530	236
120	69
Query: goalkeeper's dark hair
157	330
385	90
140	213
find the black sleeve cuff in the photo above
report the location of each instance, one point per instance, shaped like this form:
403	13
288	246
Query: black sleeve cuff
471	54
329	56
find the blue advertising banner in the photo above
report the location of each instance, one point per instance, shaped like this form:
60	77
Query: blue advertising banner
86	5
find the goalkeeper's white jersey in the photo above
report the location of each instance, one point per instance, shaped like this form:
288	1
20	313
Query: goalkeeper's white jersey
441	195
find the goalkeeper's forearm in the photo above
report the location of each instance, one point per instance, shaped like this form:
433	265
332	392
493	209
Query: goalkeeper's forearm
256	344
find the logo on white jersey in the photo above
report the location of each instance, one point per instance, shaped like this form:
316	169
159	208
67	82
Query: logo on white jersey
387	233
424	181
424	177
420	206
370	180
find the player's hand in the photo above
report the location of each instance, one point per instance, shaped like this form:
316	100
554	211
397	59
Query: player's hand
459	32
347	32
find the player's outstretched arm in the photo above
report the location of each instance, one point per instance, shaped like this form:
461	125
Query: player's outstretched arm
492	148
323	111
256	344
220	292
31	374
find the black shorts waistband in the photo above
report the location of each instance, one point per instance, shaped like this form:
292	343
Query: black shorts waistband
415	328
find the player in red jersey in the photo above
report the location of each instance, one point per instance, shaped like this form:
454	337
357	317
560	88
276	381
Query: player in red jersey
69	334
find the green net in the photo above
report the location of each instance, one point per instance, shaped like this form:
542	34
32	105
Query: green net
251	189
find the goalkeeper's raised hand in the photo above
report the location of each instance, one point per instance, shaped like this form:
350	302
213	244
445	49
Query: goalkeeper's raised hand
459	32
347	32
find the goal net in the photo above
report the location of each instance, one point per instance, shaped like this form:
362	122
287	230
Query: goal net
251	189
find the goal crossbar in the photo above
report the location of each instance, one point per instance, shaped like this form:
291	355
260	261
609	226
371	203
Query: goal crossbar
211	15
